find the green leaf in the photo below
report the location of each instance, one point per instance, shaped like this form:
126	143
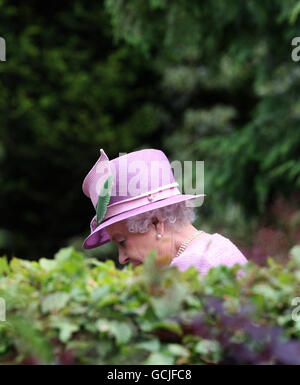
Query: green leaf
295	253
120	330
55	301
4	268
47	264
66	329
103	325
64	253
151	346
31	340
206	346
170	303
178	350
159	359
103	199
295	12
170	325
65	326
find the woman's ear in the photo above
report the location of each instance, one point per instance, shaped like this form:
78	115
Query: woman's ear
158	226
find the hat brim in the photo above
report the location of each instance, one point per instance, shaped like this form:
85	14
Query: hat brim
99	235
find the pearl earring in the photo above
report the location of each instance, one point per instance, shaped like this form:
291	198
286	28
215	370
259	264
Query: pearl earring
158	236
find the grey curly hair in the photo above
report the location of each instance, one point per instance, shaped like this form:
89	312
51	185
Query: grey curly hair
176	214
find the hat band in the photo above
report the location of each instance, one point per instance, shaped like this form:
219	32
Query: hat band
138	201
142	200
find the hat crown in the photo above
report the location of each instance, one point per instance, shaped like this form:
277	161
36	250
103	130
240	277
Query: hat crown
136	173
140	172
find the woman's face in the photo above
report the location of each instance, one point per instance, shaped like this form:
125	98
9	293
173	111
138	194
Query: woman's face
134	247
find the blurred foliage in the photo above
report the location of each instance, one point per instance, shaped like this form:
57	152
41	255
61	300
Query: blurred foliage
76	310
210	80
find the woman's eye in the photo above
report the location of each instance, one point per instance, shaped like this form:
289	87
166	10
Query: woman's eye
122	243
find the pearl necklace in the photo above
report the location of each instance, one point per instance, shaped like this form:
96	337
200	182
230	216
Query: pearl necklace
185	243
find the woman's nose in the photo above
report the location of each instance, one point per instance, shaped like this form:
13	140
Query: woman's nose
123	258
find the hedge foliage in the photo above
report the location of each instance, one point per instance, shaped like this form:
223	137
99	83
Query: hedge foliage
75	310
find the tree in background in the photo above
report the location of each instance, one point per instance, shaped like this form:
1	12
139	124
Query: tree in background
210	80
67	90
231	89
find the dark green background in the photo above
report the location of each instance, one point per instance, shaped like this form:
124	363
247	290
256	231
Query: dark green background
209	80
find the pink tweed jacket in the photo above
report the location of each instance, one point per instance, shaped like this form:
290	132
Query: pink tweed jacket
209	251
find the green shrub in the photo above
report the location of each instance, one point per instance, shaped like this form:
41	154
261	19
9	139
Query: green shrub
75	310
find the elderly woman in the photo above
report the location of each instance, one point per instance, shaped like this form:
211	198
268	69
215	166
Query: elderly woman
154	217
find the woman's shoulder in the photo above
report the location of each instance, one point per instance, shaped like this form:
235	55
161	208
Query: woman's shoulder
226	247
214	242
209	251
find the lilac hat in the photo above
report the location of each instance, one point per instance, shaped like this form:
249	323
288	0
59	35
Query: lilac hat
141	181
